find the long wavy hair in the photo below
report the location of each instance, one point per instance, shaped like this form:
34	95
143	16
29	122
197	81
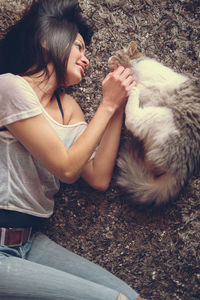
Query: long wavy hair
45	34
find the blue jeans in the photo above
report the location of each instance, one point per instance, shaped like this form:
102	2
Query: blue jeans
41	270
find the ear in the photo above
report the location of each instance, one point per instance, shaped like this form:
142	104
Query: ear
132	48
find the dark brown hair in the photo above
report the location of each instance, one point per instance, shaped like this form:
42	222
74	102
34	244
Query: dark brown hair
45	34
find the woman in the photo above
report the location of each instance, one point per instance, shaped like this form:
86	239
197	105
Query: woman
44	138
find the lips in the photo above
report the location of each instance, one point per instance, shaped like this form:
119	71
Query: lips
82	68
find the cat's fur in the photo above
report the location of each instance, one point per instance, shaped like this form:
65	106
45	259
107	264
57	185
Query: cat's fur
163	115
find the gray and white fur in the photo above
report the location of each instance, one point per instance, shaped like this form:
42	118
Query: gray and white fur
163	115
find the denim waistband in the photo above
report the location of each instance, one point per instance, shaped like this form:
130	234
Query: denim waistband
20	252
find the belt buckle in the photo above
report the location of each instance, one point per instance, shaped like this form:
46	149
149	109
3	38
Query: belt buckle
21	238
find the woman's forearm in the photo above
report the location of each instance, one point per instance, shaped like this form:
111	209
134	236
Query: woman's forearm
99	171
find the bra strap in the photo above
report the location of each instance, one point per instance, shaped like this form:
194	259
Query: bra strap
3	129
59	103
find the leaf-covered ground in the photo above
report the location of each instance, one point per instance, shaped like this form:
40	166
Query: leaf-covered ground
156	252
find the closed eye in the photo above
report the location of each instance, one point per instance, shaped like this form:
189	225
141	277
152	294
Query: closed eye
79	45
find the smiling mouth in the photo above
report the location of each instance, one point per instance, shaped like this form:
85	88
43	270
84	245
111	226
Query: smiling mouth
82	69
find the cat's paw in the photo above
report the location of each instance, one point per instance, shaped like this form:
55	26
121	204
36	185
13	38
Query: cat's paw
134	93
129	124
132	107
133	100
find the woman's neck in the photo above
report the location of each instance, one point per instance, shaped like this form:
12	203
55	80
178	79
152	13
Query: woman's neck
43	86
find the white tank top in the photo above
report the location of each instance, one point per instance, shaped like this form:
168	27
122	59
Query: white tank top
25	185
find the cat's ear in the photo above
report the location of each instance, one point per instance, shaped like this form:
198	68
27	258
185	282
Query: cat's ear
132	48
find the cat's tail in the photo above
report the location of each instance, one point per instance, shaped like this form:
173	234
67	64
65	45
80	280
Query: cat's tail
140	184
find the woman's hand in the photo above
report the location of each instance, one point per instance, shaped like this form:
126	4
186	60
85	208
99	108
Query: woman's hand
116	86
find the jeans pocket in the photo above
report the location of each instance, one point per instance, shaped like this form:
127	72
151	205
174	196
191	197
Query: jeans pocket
20	252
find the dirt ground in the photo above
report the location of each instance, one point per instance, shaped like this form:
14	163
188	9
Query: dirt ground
156	252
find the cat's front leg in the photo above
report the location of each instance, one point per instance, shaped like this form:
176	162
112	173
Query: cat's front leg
132	107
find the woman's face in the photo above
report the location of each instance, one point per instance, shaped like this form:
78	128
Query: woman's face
76	62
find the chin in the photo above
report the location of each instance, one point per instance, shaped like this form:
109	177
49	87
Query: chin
74	79
71	83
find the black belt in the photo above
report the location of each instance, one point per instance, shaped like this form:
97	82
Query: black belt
15	219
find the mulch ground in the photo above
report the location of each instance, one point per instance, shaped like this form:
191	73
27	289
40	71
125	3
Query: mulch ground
157	252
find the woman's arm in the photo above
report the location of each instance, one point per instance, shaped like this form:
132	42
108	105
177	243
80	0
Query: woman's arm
37	135
98	171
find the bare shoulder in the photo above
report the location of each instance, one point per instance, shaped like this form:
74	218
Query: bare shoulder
72	111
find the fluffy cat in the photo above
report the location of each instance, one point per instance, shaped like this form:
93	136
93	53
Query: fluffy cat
163	116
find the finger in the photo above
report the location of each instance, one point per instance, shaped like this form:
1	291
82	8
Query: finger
123	72
129	81
119	70
126	73
131	85
120	73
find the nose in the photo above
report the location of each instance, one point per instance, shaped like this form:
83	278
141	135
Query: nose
85	60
